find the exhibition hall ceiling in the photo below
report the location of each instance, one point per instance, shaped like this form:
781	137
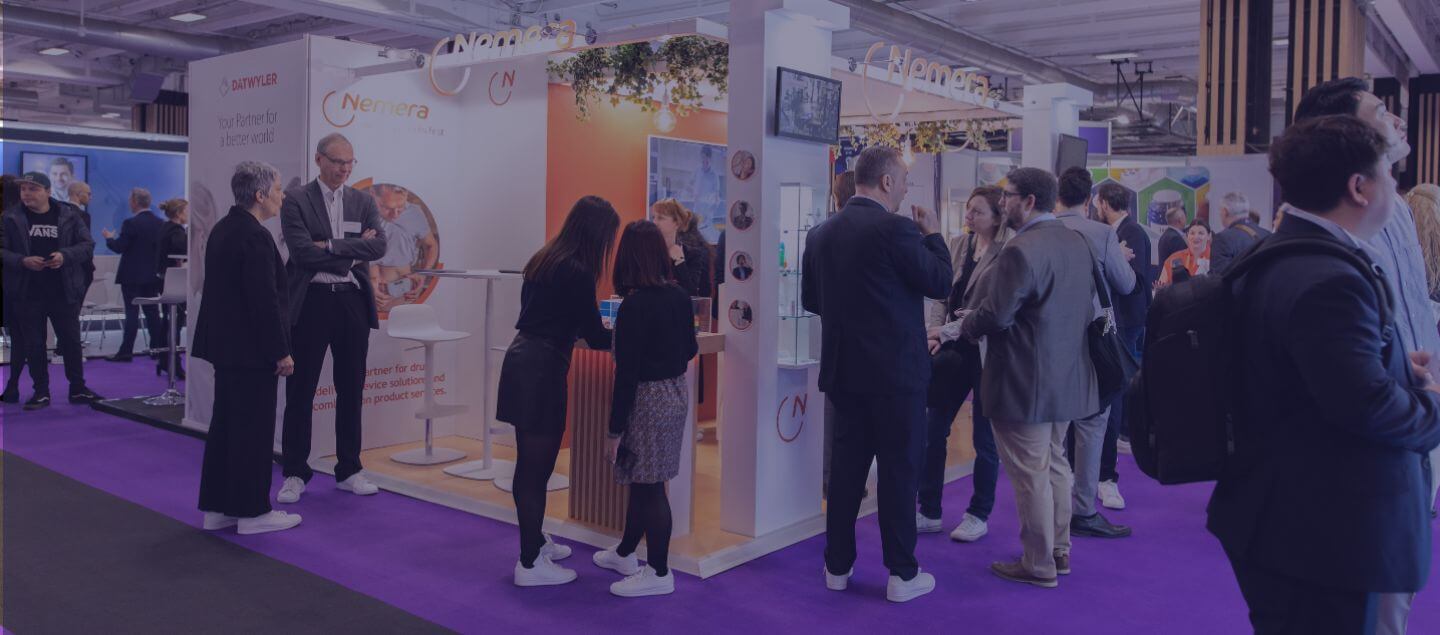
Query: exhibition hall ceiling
67	76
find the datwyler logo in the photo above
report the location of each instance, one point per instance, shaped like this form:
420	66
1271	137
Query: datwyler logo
341	109
236	84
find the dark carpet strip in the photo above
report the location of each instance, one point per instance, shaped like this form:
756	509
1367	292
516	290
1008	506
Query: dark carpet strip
78	560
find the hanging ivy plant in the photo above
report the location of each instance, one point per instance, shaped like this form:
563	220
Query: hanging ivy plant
633	72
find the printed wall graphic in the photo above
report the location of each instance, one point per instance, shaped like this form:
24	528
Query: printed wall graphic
742	215
63	170
742	266
412	243
741	316
690	172
742	165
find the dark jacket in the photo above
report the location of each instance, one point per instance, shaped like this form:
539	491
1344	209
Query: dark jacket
304	221
89	266
136	244
173	241
1131	308
75	244
1231	243
694	274
867	273
1335	486
244	313
1172	241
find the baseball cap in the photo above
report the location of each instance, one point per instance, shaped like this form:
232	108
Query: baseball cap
36	178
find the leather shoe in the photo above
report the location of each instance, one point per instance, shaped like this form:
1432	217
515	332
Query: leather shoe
1097	527
120	358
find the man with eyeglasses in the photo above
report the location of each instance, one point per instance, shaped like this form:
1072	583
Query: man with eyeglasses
333	232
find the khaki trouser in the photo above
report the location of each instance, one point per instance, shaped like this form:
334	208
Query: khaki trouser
1034	458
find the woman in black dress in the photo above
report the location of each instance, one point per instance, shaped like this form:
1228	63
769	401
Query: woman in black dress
654	343
557	305
172	242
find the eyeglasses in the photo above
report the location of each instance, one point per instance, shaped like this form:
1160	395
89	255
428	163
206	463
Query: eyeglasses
350	163
1004	194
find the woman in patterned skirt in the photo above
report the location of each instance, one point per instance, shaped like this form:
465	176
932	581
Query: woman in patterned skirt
654	343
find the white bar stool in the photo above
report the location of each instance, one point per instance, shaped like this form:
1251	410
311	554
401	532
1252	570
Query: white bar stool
417	323
171	296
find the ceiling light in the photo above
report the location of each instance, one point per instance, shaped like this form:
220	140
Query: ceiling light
1281	41
188	17
111	115
55	50
970	69
1117	56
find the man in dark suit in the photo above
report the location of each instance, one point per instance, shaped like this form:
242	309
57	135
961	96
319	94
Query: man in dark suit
80	202
333	232
136	244
1037	376
1113	202
243	330
867	273
1239	235
1173	240
1324	383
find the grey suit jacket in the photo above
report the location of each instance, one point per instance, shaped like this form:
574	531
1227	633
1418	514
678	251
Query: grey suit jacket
1105	247
1035	307
304	221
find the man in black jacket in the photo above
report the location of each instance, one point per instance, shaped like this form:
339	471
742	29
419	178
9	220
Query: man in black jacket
136	244
867	273
1239	236
1324	383
45	248
1113	202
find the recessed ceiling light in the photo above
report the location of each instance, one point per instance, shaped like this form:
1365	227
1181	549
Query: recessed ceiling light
54	50
1117	56
111	115
1281	41
188	17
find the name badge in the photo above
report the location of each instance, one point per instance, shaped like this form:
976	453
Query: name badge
351	227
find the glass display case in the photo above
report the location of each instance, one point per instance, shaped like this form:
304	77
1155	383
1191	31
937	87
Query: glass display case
800	210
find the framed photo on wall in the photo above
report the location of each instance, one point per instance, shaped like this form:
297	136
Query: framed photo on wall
807	106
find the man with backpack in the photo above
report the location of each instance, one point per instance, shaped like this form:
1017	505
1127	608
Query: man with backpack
1328	412
1239	236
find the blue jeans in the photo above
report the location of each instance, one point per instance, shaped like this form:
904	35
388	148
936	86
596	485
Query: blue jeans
1133	339
987	462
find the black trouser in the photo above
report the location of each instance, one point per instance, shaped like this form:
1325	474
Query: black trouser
335	319
1132	338
1281	605
890	429
939	419
535	455
64	317
17	345
648	517
132	317
235	474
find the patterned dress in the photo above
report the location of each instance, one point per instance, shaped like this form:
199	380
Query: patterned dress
650	447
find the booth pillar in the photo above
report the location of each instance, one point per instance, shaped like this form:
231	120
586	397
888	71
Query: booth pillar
770	480
1050	111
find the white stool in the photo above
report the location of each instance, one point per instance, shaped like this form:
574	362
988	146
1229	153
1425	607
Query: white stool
170	297
417	323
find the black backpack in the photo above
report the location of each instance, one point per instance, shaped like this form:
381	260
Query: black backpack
1188	351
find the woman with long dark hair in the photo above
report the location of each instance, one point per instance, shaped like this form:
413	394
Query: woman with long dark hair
557	306
654	343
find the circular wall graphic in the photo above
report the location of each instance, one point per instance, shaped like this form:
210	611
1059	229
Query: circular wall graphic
742	165
413	243
742	216
742	266
741	317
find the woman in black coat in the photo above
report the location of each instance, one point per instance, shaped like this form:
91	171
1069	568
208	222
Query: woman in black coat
242	330
173	241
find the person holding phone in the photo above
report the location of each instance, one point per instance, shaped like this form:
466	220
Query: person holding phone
654	343
46	246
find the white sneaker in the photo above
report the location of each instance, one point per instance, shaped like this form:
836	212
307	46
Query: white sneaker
608	559
544	573
903	591
970	529
927	525
553	550
1110	495
1123	446
217	520
267	522
644	583
358	484
838	582
292	489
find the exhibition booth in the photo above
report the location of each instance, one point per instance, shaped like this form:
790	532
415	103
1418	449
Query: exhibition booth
475	152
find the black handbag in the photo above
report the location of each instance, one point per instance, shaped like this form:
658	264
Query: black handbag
1114	366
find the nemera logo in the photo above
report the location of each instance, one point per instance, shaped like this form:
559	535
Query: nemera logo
341	109
498	45
909	70
236	84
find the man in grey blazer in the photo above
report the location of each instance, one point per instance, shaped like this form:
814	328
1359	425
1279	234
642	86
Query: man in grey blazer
1089	431
333	232
1037	376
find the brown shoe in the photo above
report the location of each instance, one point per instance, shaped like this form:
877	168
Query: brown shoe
1015	572
1062	563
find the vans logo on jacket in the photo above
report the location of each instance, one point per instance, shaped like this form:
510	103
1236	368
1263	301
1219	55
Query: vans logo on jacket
45	231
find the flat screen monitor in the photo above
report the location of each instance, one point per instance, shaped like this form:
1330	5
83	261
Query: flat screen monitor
807	106
1071	153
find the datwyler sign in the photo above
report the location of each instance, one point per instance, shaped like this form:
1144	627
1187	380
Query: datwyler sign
909	70
489	46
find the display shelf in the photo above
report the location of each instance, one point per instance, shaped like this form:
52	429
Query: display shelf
798	214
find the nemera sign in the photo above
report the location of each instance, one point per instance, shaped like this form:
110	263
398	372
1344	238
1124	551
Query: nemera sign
340	110
502	43
912	70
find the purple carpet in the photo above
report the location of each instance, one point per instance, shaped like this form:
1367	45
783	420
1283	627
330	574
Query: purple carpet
454	568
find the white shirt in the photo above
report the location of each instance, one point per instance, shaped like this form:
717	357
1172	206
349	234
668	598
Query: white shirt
335	211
